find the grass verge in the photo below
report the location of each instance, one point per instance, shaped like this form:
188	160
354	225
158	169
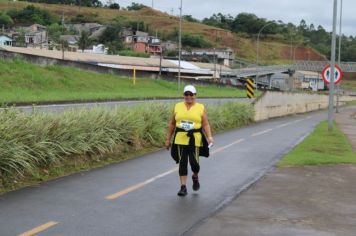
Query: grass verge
23	82
321	148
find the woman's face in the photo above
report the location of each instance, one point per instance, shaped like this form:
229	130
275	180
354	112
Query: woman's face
189	97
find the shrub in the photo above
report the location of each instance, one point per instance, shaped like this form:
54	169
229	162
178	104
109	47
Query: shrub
134	54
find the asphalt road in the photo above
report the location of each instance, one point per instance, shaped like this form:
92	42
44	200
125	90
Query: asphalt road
63	107
138	197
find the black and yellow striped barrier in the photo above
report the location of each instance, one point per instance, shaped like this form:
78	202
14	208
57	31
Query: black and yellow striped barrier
250	86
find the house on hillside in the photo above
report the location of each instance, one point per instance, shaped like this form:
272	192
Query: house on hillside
141	41
169	46
35	35
89	27
5	40
94	29
224	56
135	36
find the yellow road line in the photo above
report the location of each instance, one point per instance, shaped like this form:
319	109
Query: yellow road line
142	184
38	229
139	185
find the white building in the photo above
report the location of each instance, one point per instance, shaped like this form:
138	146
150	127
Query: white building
224	56
35	34
5	40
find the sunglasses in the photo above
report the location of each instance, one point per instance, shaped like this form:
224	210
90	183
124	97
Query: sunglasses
189	94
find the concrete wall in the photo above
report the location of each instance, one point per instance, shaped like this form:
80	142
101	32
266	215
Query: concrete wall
276	104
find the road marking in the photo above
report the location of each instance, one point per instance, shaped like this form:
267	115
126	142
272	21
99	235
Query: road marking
227	146
262	132
139	185
144	183
296	121
283	125
39	229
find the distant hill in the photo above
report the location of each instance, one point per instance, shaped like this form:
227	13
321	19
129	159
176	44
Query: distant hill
270	52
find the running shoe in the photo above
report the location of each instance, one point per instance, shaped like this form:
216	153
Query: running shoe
196	184
183	191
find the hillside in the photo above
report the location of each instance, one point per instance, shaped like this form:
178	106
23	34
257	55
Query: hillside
270	52
31	83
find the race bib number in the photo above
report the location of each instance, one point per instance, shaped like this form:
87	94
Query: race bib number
187	125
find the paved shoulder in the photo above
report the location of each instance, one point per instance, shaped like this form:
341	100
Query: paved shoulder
346	121
291	201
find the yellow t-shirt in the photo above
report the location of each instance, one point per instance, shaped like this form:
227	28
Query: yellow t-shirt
188	119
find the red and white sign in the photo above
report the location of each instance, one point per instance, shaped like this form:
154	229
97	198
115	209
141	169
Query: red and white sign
327	74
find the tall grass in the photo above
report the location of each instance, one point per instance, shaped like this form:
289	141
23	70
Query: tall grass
40	140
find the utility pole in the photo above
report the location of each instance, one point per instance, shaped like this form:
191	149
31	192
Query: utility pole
339	59
332	75
152	4
257	49
180	42
216	41
160	63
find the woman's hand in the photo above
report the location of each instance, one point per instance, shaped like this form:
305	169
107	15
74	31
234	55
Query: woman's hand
210	140
167	144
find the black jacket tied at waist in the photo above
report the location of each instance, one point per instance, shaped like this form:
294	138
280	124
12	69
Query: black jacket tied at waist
203	150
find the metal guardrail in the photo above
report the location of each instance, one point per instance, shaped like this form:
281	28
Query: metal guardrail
318	66
259	71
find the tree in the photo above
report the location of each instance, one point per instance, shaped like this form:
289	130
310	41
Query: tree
5	20
114	6
33	14
111	38
190	18
55	31
84	40
135	7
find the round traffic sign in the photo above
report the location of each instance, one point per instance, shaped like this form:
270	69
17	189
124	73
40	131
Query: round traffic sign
327	72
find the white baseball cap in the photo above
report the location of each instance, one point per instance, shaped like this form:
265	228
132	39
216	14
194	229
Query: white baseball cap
190	88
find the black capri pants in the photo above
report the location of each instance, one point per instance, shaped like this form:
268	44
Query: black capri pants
186	153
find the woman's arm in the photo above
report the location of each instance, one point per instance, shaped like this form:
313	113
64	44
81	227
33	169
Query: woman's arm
171	126
206	127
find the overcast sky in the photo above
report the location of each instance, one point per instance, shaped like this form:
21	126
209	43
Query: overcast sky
318	12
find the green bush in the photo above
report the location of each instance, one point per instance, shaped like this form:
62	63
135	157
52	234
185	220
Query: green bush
32	14
29	142
195	41
133	54
5	20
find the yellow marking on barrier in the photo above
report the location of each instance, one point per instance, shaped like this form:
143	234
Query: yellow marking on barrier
39	229
250	87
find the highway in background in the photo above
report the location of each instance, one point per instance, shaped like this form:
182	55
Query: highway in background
63	107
